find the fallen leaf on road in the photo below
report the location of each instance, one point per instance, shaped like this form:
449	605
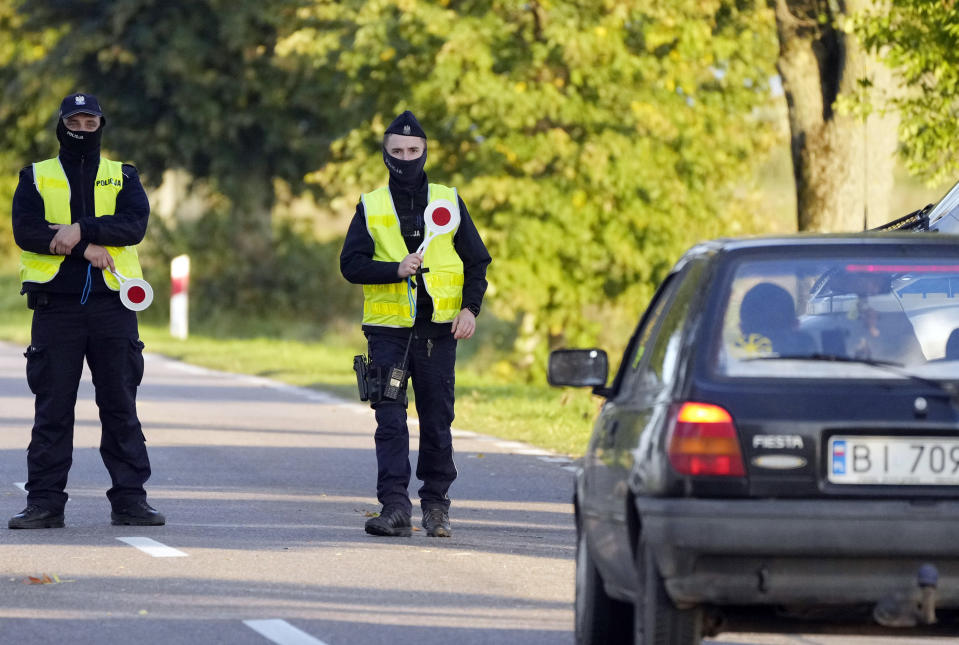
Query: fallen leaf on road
44	580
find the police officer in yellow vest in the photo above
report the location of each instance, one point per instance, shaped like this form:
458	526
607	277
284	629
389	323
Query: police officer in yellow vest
77	218
425	302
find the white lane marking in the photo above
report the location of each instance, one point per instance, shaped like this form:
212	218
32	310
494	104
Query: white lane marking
259	381
556	460
281	632
21	485
183	367
152	547
571	469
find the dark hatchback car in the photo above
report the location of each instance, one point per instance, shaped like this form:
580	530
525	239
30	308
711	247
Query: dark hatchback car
779	447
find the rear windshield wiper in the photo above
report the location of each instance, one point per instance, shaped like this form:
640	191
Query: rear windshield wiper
838	358
947	387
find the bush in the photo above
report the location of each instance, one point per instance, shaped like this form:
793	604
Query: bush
296	290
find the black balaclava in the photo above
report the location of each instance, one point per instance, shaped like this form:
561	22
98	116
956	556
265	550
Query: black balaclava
408	174
78	142
81	143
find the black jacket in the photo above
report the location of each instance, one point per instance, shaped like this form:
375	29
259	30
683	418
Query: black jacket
126	227
357	264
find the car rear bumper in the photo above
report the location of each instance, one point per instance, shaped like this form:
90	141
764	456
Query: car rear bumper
798	551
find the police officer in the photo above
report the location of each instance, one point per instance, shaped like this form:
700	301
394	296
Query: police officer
77	218
447	283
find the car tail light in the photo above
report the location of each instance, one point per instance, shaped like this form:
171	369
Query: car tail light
703	441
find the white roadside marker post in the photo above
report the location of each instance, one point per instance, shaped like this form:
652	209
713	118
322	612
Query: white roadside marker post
179	296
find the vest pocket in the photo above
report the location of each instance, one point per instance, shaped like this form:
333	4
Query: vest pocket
37	377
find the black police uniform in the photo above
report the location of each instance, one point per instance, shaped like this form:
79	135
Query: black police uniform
432	353
66	330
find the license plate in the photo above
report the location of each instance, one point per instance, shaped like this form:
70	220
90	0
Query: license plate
911	461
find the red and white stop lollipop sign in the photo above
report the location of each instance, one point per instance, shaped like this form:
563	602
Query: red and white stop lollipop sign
442	216
135	293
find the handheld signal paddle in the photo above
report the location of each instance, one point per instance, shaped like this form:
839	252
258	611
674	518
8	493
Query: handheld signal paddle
441	216
135	293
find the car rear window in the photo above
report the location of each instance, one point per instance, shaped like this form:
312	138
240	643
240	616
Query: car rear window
840	317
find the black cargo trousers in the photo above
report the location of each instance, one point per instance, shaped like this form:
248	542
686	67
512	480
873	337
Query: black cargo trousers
64	332
431	363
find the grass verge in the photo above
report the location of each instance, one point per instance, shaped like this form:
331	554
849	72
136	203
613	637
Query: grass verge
558	420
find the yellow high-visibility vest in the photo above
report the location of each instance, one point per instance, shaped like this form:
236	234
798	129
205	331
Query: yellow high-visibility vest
53	186
388	305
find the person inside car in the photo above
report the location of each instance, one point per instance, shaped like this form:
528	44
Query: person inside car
768	323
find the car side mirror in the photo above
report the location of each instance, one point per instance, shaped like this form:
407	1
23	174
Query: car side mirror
578	367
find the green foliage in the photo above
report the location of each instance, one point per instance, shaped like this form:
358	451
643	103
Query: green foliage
27	132
14	315
592	142
32	97
919	39
296	295
8	249
197	85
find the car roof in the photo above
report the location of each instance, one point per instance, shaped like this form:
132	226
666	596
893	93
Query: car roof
722	249
823	240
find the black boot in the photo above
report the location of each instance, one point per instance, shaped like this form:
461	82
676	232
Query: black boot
137	514
36	517
436	521
392	522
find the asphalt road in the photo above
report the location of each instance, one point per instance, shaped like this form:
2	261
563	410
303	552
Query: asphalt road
266	488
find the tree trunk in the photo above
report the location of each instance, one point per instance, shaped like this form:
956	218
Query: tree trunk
842	164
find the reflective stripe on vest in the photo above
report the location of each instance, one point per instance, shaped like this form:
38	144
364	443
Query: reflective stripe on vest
388	305
53	186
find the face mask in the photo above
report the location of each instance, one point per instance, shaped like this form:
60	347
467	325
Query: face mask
82	143
406	173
